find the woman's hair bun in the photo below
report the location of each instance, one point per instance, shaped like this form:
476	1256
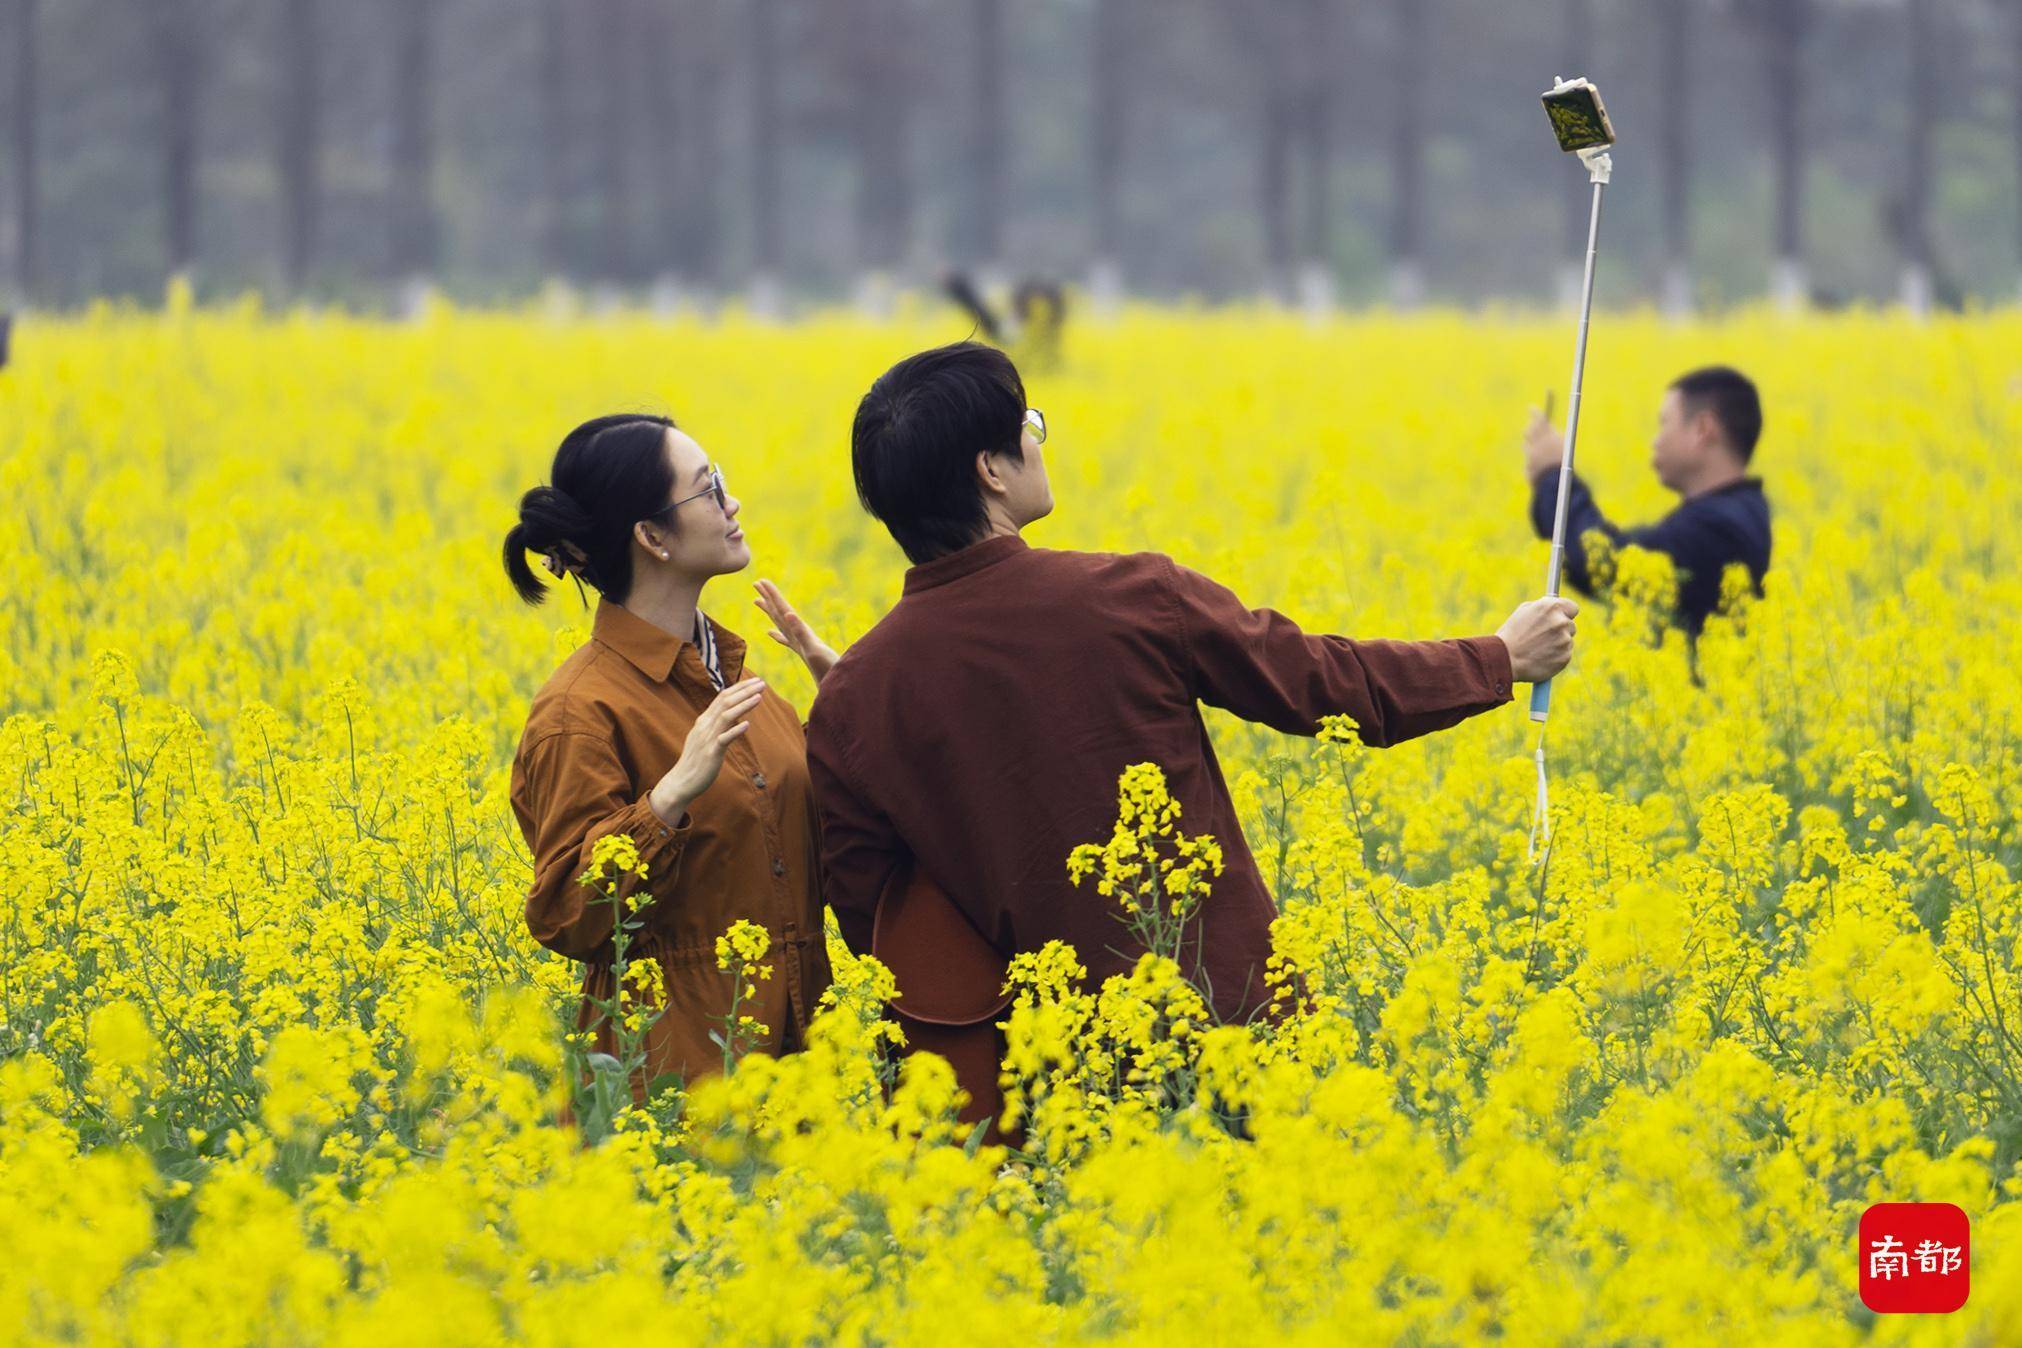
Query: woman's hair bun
610	465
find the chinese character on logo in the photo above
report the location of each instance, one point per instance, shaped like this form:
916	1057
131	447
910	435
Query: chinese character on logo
1914	1257
1886	1258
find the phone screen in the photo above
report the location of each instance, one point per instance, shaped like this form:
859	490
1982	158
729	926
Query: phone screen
1578	119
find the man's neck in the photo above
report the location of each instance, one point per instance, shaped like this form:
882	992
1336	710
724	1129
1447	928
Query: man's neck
1726	475
998	524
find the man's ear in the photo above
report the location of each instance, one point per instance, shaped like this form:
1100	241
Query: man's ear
1707	430
987	474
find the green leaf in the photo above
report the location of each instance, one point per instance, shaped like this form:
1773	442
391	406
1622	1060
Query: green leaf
975	1142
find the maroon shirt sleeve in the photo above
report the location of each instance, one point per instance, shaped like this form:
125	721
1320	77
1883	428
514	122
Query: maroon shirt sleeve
1259	665
859	847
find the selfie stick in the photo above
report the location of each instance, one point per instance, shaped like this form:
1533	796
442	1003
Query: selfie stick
1582	127
1599	166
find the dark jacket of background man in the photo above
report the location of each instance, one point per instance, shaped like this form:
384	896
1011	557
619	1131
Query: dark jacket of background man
1701	536
1707	425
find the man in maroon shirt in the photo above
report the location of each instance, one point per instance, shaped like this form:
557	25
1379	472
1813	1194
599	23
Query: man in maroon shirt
974	736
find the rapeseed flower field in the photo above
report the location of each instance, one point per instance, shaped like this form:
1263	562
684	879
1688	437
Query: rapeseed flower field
279	1063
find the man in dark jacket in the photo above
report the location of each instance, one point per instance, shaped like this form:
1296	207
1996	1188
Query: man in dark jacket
1707	427
976	733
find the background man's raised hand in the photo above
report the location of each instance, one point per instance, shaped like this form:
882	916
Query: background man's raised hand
1544	445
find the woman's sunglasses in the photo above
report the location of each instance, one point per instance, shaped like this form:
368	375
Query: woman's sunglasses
715	488
1036	419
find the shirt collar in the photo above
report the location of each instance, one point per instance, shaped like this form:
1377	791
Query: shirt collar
1747	483
963	562
656	651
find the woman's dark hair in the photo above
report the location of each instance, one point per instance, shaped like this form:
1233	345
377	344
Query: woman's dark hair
607	474
916	437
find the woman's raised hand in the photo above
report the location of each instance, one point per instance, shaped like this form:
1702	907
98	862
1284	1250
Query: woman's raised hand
790	630
721	722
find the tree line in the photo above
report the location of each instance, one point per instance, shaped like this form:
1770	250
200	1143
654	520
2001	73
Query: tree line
365	151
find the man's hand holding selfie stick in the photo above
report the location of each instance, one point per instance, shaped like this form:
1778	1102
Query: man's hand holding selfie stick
1540	638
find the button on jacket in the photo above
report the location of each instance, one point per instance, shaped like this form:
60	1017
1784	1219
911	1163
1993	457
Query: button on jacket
980	727
601	733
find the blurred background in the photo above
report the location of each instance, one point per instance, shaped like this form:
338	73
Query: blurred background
786	152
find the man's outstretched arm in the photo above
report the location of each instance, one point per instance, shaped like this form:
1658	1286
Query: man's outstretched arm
1258	664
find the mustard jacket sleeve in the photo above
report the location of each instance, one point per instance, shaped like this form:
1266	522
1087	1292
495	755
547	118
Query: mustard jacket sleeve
569	789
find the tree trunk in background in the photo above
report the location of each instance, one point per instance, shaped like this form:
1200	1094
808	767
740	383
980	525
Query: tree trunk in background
1673	32
1108	103
412	254
1913	218
554	86
1266	42
884	199
988	150
2015	92
1408	109
1576	48
614	127
763	37
1274	158
1318	42
298	142
1784	23
659	55
178	51
696	186
24	108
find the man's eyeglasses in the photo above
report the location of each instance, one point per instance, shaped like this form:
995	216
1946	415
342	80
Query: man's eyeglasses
1036	419
715	488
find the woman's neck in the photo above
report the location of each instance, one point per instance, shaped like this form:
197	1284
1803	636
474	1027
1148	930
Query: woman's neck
669	602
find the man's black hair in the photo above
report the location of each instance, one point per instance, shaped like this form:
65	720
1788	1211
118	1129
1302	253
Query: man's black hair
1730	396
916	437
